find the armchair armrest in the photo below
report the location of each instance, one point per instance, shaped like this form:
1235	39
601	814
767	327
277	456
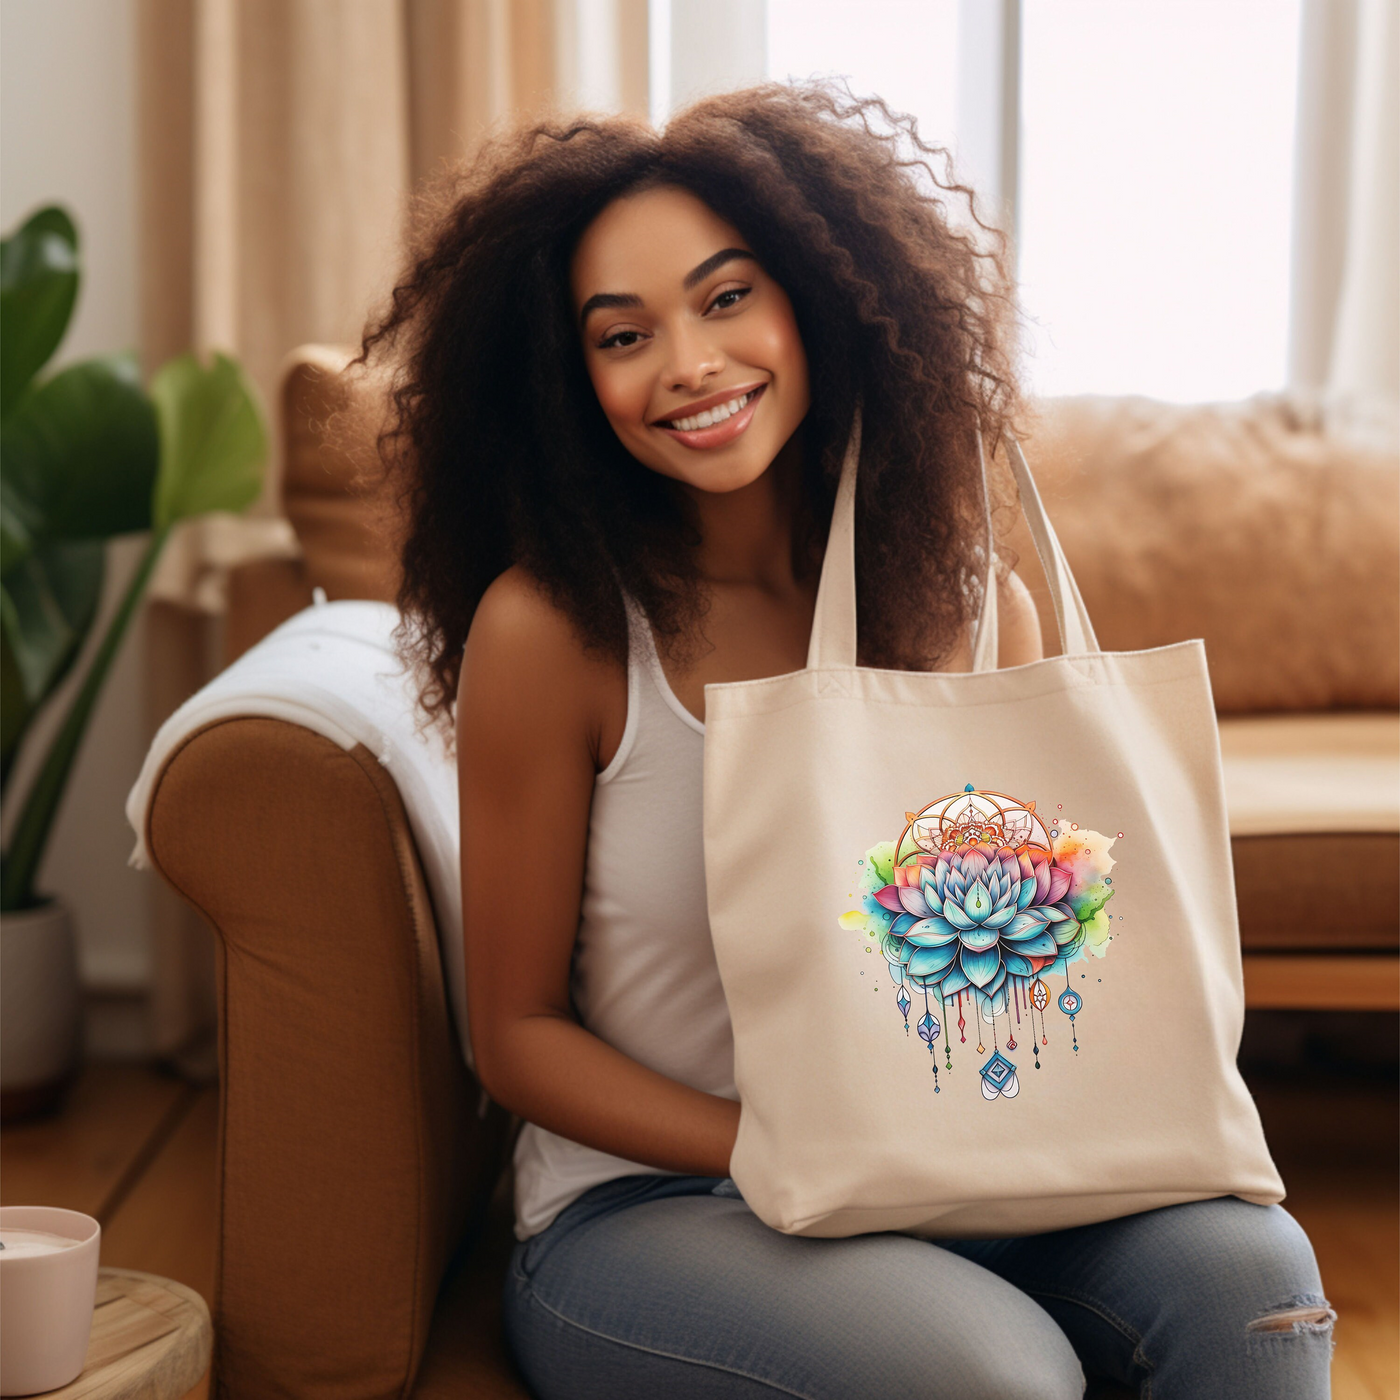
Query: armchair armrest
351	1154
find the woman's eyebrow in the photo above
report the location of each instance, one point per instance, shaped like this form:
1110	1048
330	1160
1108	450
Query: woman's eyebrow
692	279
697	275
608	299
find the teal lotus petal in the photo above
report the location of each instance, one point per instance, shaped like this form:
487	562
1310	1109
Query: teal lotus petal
1015	964
1001	917
902	924
980	967
932	933
955	884
1032	921
1026	893
1035	945
957	915
938	872
977	902
979	937
954	981
928	882
931	963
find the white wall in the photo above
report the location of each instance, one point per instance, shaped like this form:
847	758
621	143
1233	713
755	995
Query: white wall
68	135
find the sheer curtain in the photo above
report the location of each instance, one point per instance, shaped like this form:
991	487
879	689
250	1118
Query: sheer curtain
279	140
1344	350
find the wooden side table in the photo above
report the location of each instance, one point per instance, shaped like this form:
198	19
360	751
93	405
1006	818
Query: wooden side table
151	1340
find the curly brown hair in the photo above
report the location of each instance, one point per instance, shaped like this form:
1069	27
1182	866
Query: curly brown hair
505	457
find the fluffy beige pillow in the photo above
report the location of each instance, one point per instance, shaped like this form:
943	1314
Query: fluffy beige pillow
1239	523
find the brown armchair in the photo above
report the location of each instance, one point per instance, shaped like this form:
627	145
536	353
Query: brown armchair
359	1164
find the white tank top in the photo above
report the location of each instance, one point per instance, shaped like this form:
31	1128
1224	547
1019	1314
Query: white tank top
644	977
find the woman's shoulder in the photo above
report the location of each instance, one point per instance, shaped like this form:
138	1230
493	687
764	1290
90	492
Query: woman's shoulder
525	660
516	613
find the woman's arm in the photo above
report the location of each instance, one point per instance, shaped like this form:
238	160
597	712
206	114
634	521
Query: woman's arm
535	714
1018	623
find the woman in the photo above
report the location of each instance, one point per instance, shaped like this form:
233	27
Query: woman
630	365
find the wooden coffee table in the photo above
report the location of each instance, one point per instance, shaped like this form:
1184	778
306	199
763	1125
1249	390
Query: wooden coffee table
151	1338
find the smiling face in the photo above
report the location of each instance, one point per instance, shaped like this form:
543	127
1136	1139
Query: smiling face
692	348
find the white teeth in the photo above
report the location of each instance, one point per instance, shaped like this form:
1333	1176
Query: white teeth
710	416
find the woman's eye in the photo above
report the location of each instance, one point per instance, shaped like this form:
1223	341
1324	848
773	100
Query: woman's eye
620	340
730	298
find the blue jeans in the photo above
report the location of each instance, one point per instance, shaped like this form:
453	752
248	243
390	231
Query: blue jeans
667	1288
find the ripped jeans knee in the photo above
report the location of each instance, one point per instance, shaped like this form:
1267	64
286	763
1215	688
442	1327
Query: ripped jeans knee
1305	1319
1309	1312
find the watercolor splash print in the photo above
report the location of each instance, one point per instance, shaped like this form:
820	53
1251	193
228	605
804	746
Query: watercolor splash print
981	910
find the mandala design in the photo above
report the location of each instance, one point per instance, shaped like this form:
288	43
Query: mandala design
977	906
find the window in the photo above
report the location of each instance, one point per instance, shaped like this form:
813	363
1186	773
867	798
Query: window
1156	186
905	51
1151	169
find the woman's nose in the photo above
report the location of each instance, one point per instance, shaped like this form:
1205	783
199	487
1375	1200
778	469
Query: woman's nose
694	359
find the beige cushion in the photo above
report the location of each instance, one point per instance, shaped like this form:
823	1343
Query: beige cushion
1314	807
1236	523
333	490
1325	772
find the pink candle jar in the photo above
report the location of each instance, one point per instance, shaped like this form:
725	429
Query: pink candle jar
48	1285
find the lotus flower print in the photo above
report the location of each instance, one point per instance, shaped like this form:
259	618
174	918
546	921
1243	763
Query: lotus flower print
974	906
973	917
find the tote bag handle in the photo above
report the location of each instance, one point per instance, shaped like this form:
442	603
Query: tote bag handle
834	626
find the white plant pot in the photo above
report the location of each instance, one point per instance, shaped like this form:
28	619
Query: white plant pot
40	1007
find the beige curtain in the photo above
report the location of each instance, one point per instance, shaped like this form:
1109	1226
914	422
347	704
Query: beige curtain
279	140
1344	351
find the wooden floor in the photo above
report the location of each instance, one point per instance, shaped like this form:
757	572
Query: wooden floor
136	1149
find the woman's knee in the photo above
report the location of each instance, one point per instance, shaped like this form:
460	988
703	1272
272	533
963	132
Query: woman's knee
1252	1265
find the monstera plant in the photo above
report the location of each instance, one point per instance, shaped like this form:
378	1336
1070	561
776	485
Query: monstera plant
87	454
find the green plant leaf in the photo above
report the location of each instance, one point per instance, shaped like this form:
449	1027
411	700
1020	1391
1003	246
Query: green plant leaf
38	287
46	607
15	709
79	453
30	835
17	522
212	441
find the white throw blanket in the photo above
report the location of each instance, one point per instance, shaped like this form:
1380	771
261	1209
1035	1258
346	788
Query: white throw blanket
333	669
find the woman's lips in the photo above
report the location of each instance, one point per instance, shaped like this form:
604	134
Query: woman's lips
718	434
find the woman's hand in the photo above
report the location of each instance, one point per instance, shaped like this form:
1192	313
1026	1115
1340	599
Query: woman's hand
537	717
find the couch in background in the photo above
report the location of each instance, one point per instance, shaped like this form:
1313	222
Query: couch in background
360	1166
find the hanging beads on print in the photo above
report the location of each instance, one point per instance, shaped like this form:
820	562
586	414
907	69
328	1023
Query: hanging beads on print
902	1001
1071	1003
929	1031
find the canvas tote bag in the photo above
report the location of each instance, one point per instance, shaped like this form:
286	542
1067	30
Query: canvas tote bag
977	930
